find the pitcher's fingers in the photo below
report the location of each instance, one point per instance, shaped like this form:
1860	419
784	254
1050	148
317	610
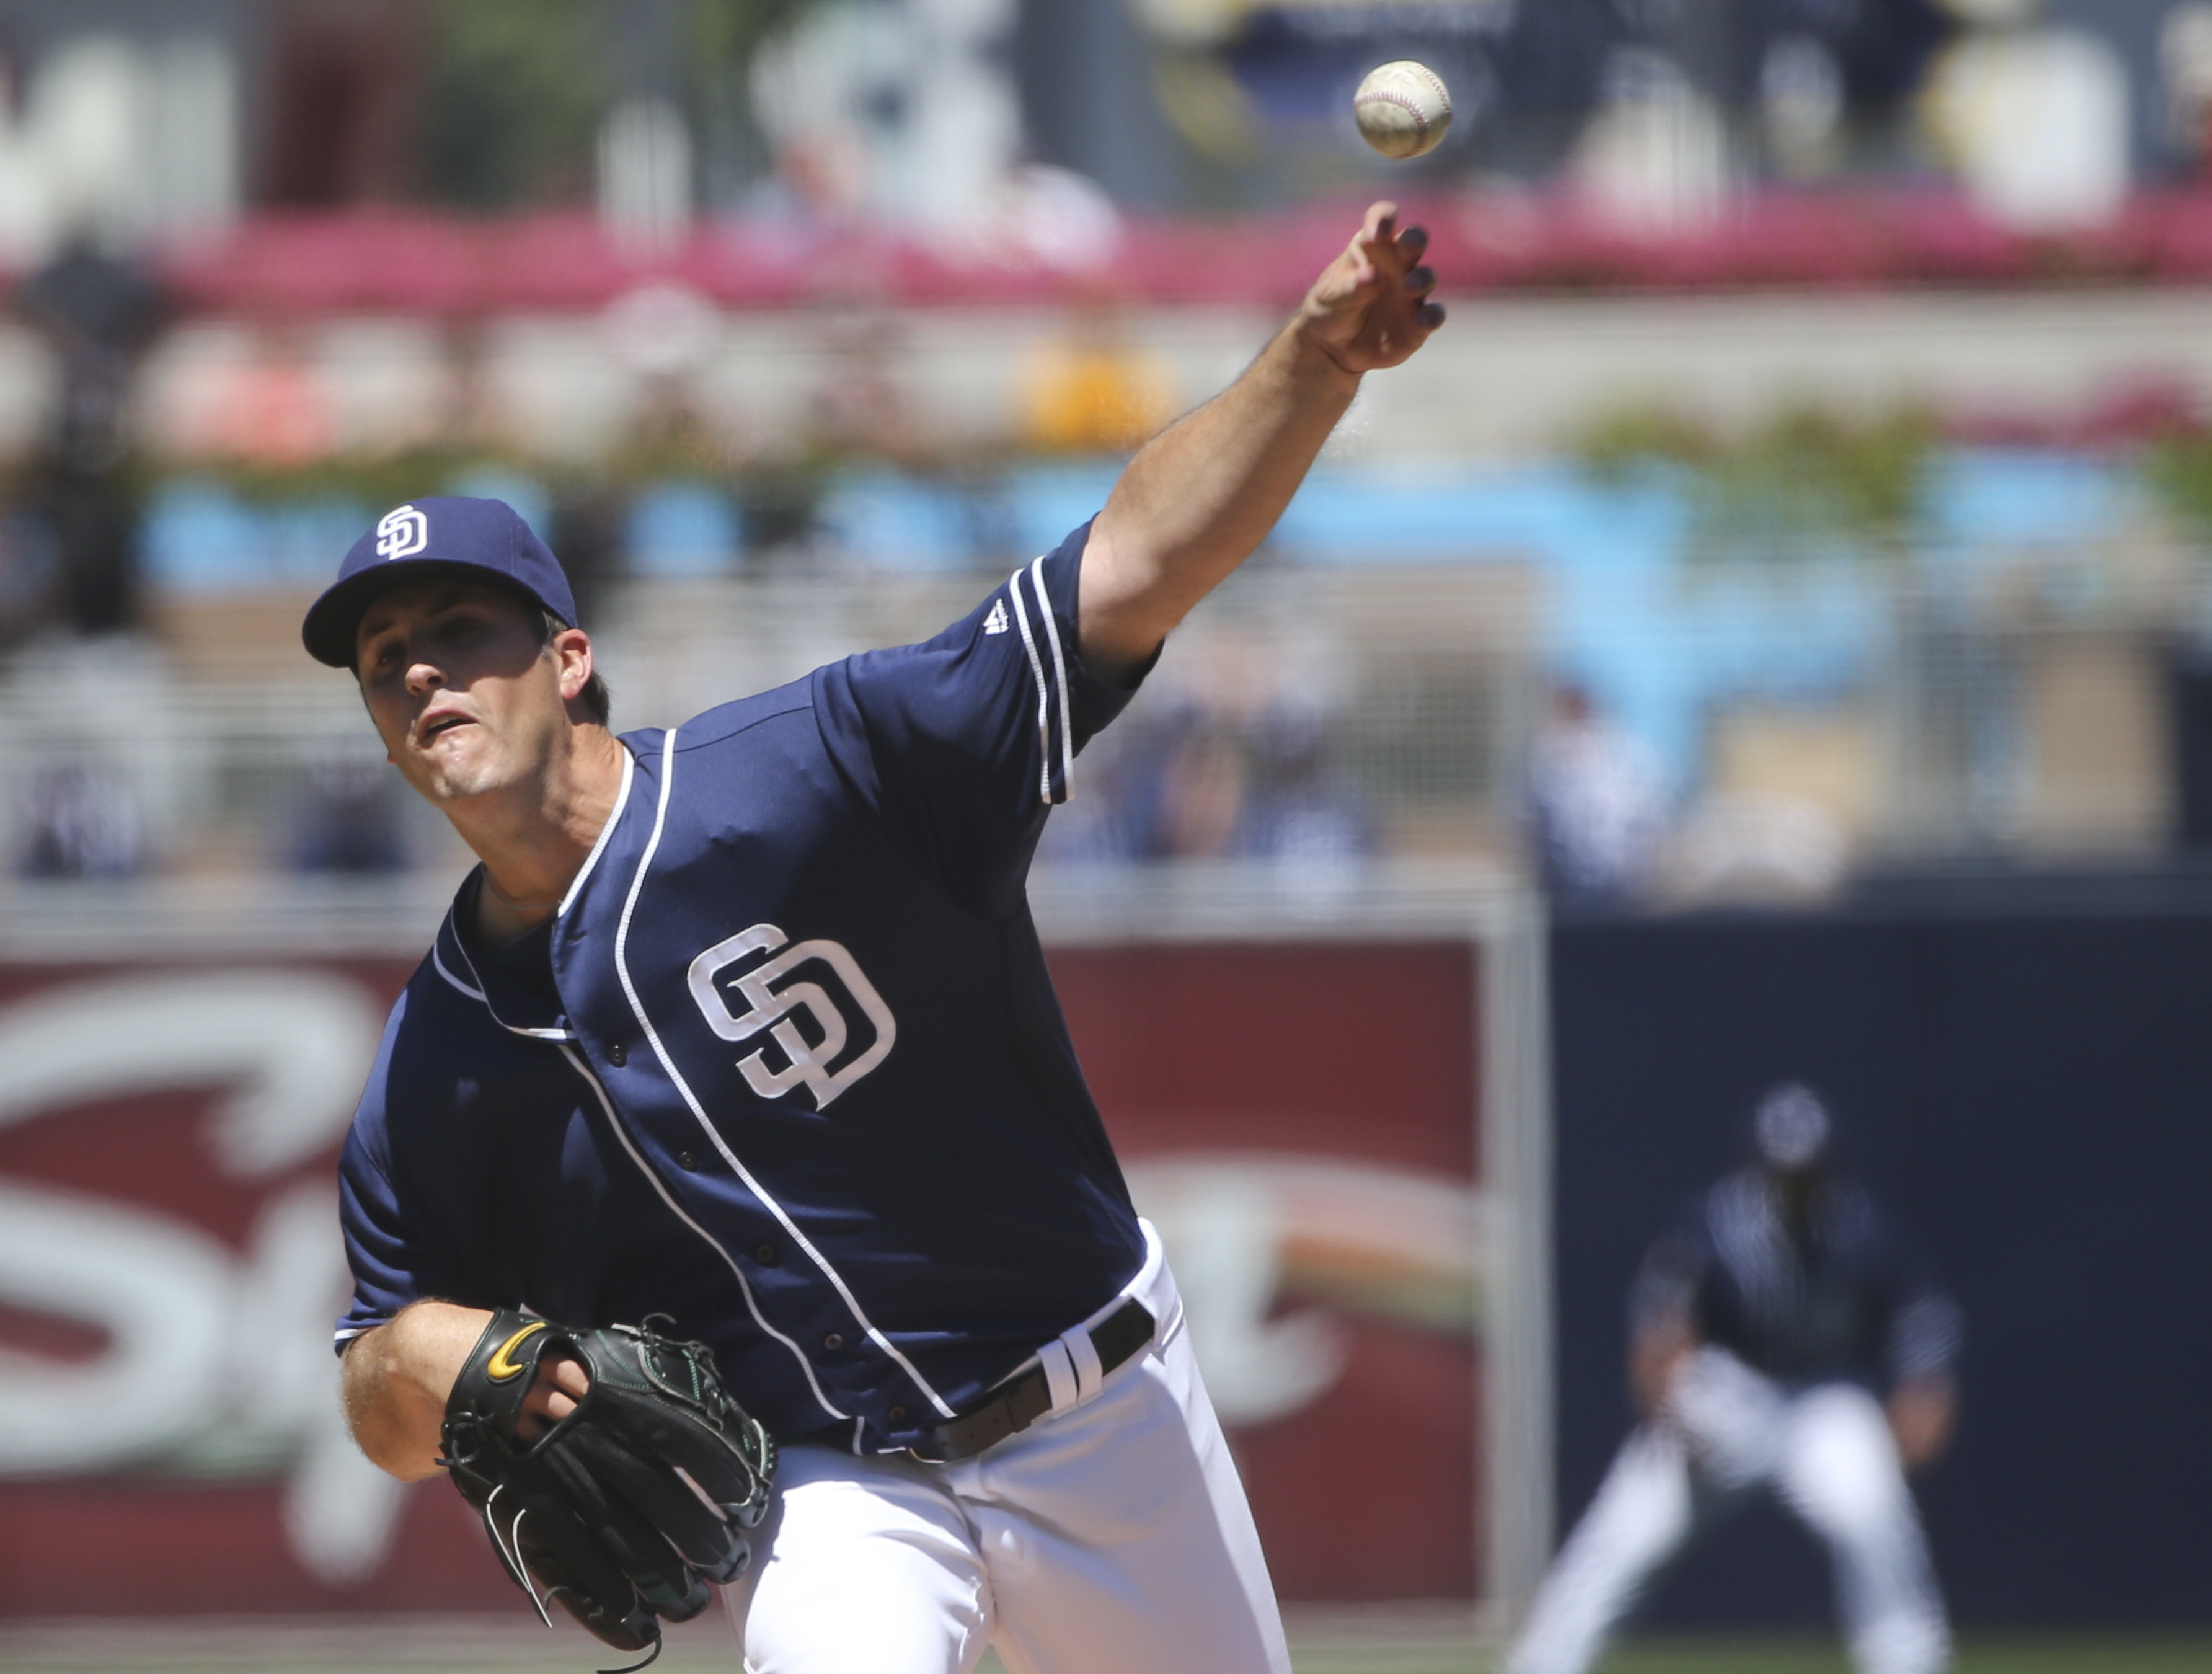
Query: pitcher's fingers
1381	217
570	1378
1395	255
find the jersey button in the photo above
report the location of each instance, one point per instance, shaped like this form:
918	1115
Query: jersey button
767	1255
688	1161
618	1054
833	1342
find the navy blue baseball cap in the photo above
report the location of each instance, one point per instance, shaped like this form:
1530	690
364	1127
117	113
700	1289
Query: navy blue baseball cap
482	540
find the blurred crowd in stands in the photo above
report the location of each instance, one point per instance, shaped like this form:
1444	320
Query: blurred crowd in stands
1183	782
837	295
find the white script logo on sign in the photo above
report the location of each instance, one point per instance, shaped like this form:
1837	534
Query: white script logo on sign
216	1363
1244	1229
812	1065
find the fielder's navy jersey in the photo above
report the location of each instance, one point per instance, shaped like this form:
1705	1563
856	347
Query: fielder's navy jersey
1848	1298
787	1064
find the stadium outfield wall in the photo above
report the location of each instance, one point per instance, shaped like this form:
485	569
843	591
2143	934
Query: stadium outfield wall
2021	1072
1325	1090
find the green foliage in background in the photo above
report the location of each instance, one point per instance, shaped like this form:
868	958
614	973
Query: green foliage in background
512	93
386	479
2177	470
1809	483
364	478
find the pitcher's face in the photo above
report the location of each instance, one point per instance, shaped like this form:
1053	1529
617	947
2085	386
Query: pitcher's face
467	700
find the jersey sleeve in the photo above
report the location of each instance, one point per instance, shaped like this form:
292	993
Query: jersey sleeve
1664	1293
961	745
393	1264
1924	1331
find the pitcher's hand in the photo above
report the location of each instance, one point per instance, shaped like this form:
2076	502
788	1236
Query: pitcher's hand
562	1383
1371	308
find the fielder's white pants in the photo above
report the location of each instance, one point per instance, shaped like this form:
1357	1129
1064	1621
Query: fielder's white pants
1826	1452
1110	1537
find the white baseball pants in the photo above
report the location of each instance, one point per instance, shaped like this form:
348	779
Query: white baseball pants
1826	1452
1111	1536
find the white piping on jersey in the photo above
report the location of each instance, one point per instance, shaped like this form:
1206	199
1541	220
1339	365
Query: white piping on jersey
476	994
1043	691
676	1076
479	995
622	796
1044	698
1060	674
677	1210
568	898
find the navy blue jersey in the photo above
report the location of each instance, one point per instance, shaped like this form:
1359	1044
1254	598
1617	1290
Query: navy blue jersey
1845	1296
787	1064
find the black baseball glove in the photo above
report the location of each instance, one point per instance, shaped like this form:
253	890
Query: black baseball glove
625	1509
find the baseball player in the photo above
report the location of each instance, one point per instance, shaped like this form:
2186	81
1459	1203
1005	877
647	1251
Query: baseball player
1762	1328
745	1025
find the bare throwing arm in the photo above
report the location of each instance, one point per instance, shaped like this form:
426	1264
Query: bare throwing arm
1202	494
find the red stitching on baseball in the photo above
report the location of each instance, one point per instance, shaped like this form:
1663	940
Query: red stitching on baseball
1390	96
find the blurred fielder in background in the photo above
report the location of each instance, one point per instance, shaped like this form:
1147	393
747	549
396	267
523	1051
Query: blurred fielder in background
1786	1335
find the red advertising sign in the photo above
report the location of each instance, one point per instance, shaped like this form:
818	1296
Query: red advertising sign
170	1267
1299	1120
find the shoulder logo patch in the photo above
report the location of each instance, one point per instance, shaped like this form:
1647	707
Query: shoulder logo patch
819	1056
996	622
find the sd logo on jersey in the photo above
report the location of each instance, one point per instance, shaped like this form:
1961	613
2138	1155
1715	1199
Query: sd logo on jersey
776	1010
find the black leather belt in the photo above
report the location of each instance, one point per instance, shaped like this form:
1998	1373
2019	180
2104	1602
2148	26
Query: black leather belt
1024	1399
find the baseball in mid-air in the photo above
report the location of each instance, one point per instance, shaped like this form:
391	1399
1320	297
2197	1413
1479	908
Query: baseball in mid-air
1403	109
